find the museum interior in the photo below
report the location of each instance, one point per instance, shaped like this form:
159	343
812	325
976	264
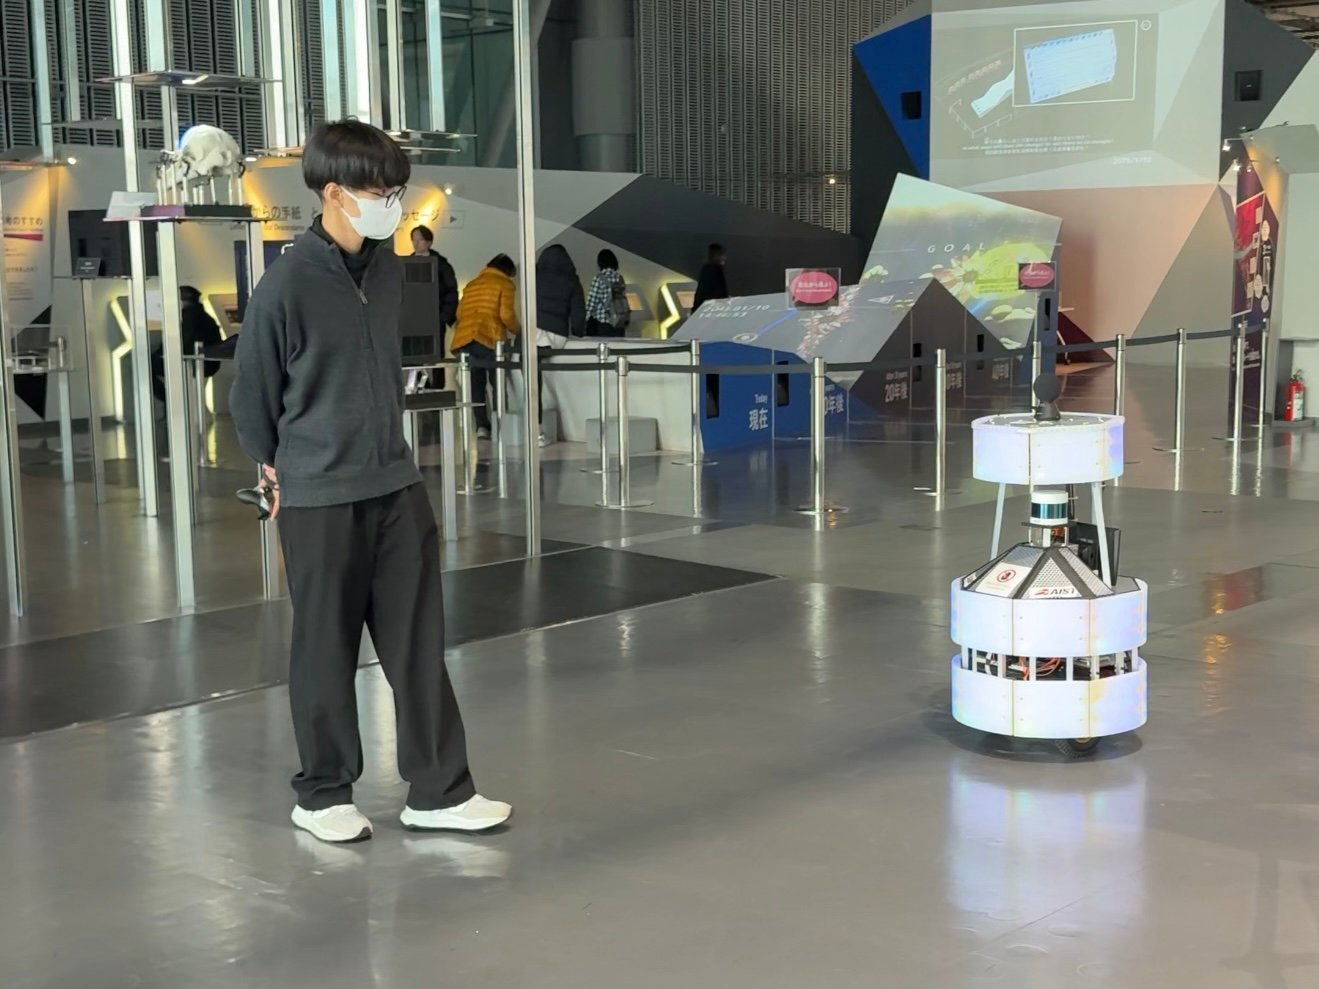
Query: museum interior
865	331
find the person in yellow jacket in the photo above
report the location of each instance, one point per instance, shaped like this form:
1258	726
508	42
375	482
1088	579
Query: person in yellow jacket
487	316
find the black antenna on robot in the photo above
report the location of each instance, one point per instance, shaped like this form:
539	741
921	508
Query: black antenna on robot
1047	389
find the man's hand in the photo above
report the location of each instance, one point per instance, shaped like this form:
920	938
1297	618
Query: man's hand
270	485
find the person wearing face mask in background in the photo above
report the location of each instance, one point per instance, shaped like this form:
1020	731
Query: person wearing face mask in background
318	401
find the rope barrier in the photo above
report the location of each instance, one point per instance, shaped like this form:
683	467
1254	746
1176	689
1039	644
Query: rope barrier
559	361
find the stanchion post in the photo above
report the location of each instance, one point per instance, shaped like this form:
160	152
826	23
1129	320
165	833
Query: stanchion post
1036	362
697	458
819	409
1262	418
940	421
1239	385
1120	375
66	407
501	398
90	343
624	436
465	398
603	384
624	445
269	554
199	380
1179	395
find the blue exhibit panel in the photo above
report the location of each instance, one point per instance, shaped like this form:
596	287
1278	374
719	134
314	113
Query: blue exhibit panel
751	410
898	62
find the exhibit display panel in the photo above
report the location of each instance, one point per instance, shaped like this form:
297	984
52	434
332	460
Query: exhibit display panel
1074	95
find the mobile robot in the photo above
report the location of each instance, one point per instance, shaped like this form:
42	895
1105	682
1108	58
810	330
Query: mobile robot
1049	634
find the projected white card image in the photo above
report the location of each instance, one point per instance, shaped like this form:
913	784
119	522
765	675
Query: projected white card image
1068	65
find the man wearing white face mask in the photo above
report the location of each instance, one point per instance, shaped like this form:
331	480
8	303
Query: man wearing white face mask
318	401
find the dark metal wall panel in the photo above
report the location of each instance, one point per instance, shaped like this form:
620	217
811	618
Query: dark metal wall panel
752	100
203	36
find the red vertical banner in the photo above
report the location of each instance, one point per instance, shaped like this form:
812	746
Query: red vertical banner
1252	284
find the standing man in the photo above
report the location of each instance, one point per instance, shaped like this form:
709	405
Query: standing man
423	242
712	283
318	402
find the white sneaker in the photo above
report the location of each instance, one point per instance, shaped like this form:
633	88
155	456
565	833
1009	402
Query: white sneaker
478	814
544	441
483	433
338	825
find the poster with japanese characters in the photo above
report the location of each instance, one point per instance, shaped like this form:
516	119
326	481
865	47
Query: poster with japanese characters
27	237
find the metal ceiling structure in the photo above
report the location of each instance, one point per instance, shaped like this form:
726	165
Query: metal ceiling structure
1300	18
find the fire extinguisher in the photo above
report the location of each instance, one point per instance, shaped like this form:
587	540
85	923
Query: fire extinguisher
1295	410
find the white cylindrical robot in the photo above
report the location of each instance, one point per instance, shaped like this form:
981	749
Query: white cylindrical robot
1049	635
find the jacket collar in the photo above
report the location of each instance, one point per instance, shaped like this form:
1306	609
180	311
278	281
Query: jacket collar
316	245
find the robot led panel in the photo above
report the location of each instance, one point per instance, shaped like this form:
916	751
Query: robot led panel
1075	95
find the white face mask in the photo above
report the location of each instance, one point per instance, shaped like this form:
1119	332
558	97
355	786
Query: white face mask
375	219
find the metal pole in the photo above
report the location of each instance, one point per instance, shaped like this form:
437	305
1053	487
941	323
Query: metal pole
331	24
1120	376
501	399
66	407
269	554
11	482
465	421
624	446
435	62
698	407
1239	385
93	395
143	400
819	381
176	414
270	548
361	49
602	427
1036	363
41	72
1262	418
1178	399
940	421
199	381
526	159
69	29
398	116
1179	396
448	479
624	437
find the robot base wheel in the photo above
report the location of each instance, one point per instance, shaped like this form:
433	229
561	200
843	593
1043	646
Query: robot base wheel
1076	748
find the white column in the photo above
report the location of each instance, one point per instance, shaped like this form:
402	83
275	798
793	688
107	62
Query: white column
11	488
41	70
527	267
361	45
143	403
435	63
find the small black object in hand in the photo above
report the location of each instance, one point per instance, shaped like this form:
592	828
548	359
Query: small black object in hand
258	498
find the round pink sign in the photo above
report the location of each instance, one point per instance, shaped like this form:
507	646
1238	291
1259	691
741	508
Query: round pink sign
814	288
1035	276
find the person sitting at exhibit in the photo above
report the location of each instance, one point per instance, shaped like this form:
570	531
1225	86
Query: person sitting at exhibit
197	328
607	311
712	283
487	317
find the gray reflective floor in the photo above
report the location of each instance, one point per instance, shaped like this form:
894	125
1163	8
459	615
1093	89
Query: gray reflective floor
756	786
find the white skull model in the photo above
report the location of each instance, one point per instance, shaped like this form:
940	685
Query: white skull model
205	152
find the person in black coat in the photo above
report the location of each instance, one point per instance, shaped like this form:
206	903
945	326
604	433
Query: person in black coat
197	328
560	302
712	284
422	241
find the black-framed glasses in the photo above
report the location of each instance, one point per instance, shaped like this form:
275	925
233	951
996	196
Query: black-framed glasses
389	198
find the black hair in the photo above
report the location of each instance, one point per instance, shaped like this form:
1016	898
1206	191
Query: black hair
607	259
354	155
504	263
425	232
189	294
716	250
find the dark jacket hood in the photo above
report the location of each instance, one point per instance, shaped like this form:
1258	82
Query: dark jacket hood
555	259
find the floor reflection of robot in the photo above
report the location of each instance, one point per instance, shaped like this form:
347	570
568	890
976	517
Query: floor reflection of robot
1049	634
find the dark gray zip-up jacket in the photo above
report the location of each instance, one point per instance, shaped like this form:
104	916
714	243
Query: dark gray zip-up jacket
319	386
